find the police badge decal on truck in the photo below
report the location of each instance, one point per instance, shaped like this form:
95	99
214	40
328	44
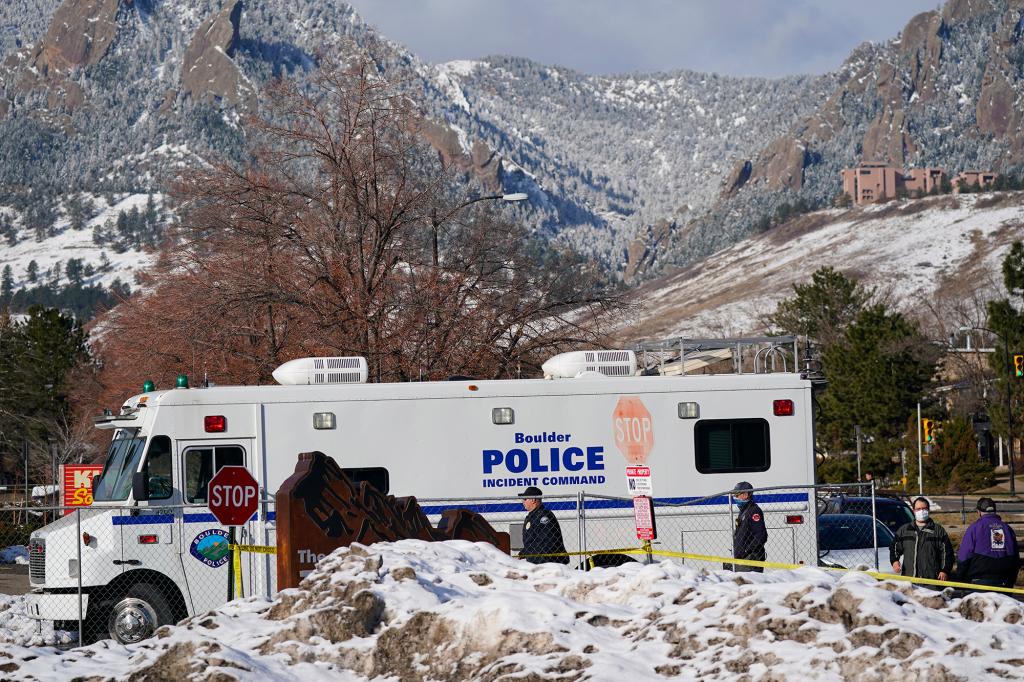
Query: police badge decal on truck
211	547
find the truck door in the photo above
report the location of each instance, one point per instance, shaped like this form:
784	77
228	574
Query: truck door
150	530
204	542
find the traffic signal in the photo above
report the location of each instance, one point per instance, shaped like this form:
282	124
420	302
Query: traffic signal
927	430
1018	365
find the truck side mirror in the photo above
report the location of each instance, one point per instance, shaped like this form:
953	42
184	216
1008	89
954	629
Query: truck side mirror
140	486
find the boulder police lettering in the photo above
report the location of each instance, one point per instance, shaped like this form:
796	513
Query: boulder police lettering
543	460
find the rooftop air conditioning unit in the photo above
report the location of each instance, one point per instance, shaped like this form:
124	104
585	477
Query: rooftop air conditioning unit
590	363
318	371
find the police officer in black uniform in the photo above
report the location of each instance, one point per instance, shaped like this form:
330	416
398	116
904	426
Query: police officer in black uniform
541	533
750	537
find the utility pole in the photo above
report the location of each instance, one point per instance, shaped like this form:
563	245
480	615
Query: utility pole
903	468
24	454
856	430
1009	415
920	458
1009	400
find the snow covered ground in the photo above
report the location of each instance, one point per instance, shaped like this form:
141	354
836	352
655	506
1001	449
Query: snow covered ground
68	243
918	252
454	611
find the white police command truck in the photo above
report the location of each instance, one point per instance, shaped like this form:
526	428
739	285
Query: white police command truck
149	552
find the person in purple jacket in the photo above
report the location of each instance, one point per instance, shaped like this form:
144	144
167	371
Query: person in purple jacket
988	552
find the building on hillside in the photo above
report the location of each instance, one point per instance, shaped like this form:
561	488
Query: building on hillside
871	182
973	178
924	180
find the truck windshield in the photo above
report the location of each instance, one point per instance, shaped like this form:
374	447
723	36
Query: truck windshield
122	461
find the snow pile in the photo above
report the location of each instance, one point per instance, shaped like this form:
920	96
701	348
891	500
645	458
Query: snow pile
18	629
15	554
417	611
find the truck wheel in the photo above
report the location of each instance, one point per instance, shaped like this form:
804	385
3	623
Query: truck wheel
138	614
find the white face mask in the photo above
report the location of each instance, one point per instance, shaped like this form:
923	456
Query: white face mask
921	514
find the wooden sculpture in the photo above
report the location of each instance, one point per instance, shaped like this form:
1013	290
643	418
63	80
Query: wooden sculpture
319	509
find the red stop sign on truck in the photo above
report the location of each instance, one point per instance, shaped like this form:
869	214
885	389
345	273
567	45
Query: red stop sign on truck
633	428
233	495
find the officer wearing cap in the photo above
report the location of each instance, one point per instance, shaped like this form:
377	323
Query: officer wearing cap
988	552
541	533
751	534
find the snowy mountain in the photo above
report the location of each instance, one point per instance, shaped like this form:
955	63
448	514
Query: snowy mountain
643	172
415	610
932	257
619	156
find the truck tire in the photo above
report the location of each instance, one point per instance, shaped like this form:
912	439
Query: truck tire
136	616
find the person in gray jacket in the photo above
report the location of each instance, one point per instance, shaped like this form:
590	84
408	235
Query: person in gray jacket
922	548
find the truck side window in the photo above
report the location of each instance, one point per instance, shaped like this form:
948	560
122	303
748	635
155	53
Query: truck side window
158	468
725	446
375	476
202	463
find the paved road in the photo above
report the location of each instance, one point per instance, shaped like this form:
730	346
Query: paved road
953	503
13	579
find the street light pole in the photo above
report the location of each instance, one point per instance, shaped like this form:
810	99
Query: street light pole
436	222
1009	403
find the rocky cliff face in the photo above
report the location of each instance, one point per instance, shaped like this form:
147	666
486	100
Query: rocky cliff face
80	34
208	71
903	85
947	92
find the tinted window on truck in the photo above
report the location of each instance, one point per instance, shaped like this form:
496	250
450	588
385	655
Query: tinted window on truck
202	463
375	476
158	468
726	446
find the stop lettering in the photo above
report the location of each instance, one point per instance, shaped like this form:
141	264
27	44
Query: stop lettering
233	495
633	429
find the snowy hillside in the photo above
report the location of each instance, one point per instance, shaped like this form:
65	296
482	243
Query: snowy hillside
921	252
457	611
101	238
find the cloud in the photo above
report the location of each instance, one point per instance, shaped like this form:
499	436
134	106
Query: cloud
739	37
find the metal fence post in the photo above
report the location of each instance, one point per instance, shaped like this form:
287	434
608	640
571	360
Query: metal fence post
963	509
874	524
581	517
78	545
732	523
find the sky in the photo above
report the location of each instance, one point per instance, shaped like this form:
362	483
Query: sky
735	37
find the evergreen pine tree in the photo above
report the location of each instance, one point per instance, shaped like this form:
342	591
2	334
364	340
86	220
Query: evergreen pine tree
7	284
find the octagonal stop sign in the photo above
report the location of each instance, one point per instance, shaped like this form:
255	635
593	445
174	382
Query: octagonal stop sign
633	428
233	495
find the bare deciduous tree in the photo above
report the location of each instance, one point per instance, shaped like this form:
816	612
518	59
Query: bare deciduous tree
322	244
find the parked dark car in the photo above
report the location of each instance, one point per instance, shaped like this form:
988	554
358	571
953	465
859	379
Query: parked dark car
844	541
891	511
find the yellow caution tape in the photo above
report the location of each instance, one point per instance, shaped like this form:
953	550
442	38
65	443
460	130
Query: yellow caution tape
258	549
775	564
237	561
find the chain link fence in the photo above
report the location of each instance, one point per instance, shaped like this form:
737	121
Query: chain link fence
802	525
98	572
